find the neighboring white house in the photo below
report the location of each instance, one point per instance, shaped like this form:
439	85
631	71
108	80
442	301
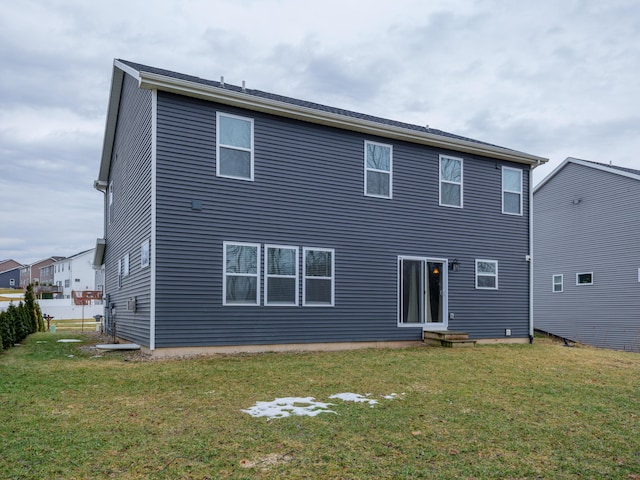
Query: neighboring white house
75	273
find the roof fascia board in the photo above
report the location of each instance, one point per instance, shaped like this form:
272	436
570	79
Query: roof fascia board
117	78
184	87
127	69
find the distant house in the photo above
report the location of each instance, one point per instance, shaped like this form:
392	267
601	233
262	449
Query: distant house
75	273
31	273
8	265
587	254
9	274
236	217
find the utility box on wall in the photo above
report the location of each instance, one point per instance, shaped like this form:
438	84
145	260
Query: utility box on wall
131	304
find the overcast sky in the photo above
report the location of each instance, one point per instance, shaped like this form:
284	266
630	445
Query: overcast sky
554	78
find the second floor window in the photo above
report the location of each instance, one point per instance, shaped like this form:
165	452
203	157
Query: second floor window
144	254
450	181
377	169
234	146
511	191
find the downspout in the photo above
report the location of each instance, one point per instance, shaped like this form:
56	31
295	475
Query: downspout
531	259
152	246
100	188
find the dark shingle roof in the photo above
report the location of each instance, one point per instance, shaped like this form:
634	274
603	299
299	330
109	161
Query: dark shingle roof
615	167
301	103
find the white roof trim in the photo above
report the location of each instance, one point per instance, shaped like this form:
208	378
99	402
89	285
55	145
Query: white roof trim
584	163
110	127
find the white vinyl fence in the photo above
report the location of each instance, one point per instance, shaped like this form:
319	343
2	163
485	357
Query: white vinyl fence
63	309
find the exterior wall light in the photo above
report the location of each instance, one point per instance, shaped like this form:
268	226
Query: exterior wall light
454	265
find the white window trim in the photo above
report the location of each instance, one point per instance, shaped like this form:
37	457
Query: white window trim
503	190
441	181
332	278
218	145
553	283
224	274
584	273
478	260
267	276
368	169
145	246
125	265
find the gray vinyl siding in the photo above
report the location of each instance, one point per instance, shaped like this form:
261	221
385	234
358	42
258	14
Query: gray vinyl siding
308	192
600	235
130	223
7	275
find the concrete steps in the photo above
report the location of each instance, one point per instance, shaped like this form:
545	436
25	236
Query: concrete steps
448	339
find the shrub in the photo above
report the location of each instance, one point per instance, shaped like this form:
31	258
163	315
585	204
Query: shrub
41	327
13	329
18	322
35	320
5	334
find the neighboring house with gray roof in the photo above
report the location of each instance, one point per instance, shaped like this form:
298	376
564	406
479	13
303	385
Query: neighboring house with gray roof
586	248
237	218
9	273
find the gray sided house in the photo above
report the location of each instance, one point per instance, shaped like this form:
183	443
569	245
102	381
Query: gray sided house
240	218
10	278
587	254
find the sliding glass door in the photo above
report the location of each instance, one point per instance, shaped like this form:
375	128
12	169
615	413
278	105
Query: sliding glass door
423	292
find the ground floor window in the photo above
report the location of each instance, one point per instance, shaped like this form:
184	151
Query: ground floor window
280	275
487	274
557	283
242	273
318	274
584	278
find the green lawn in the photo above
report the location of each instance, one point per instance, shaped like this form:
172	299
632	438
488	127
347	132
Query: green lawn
508	412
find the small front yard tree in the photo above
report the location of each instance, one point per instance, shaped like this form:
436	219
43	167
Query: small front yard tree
34	311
